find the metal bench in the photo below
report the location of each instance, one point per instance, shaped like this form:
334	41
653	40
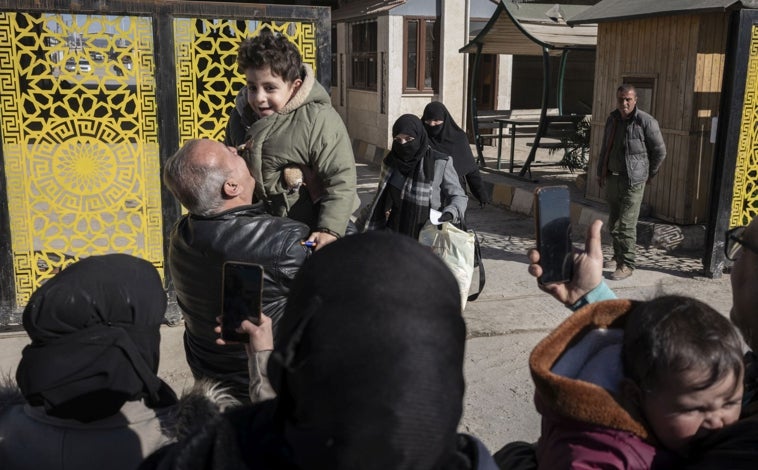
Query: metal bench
556	127
486	127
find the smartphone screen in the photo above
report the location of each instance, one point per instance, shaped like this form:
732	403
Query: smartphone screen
242	289
554	233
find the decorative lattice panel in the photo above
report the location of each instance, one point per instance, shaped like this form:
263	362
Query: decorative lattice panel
745	189
206	68
79	129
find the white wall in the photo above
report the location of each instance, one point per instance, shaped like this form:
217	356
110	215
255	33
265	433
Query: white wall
362	109
504	69
453	72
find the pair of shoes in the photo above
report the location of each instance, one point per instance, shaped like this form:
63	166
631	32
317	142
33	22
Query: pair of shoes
622	272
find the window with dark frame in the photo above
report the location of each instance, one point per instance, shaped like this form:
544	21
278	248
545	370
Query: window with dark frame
421	68
363	64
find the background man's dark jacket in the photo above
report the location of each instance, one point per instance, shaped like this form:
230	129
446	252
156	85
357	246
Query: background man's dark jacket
644	148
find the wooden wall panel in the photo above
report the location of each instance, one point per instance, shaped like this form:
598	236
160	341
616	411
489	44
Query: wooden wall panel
685	56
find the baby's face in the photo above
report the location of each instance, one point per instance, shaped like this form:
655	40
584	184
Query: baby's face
679	413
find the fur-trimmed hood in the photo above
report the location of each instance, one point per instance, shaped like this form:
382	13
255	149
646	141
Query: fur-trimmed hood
205	401
577	339
307	92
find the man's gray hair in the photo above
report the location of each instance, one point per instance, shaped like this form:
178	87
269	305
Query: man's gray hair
197	187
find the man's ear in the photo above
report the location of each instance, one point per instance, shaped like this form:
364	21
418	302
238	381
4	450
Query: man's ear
296	84
231	188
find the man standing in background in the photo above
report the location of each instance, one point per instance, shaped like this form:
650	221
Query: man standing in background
630	156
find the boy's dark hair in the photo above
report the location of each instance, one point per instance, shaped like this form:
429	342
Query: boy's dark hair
672	334
273	50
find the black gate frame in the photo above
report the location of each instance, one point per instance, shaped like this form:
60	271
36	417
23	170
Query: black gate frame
162	15
727	138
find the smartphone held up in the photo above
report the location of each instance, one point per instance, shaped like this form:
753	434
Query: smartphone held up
552	214
242	287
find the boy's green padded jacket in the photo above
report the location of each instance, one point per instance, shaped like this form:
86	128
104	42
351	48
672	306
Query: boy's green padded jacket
309	133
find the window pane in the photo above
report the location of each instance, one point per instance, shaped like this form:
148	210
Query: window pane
334	56
355	34
334	70
359	72
412	62
372	37
644	87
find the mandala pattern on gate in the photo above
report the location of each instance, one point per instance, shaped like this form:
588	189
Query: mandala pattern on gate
79	123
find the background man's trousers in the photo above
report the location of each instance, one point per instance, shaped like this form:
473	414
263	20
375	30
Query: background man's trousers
624	203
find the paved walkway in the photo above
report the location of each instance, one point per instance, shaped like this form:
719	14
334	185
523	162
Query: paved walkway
504	324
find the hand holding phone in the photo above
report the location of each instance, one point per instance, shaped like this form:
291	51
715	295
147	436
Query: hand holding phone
587	268
242	287
554	233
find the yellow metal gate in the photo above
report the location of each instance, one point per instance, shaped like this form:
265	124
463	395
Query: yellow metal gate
80	141
745	188
88	112
734	192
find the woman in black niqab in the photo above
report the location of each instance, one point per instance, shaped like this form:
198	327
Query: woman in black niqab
95	339
447	137
415	178
368	371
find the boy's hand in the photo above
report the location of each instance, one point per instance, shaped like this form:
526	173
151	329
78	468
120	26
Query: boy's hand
322	239
260	337
588	269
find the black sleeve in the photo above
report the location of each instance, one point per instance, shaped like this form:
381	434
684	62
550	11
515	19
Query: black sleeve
235	130
476	185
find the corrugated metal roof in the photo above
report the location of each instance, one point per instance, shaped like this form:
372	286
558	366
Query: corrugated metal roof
615	10
524	29
365	8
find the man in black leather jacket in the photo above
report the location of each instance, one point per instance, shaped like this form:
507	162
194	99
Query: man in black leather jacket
213	182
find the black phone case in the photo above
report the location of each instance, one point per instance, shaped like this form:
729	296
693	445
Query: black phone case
240	299
553	220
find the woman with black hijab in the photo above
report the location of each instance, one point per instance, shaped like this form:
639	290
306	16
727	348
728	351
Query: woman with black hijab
368	371
87	394
415	178
447	137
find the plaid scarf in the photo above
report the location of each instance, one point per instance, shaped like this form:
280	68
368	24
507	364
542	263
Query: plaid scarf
415	196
